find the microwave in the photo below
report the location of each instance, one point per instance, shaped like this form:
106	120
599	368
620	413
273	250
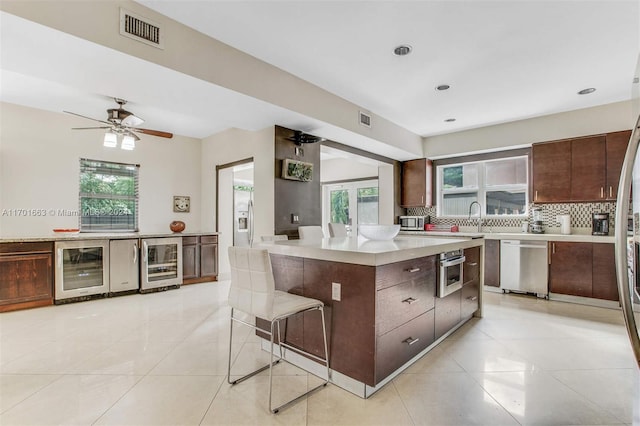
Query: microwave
413	223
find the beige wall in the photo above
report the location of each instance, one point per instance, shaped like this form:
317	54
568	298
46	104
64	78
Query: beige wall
39	169
588	121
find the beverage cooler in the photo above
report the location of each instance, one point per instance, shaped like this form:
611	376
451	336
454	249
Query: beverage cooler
161	263
82	269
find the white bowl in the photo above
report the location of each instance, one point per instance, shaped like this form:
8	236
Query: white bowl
379	232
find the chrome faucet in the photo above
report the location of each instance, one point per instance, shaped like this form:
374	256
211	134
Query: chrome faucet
479	214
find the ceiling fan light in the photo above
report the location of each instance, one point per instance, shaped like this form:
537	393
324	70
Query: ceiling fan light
110	140
128	143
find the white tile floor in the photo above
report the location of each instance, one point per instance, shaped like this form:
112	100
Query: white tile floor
161	358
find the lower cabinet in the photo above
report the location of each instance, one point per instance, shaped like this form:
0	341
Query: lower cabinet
199	258
382	317
492	263
470	293
583	269
26	275
447	313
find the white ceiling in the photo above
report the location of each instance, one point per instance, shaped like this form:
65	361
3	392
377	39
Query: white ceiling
504	61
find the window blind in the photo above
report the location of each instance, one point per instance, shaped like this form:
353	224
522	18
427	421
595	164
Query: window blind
108	196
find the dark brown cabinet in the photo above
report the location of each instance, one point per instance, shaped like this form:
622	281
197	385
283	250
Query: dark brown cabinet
26	275
616	149
551	171
470	294
582	169
447	312
605	284
417	183
492	263
588	168
199	258
583	269
570	269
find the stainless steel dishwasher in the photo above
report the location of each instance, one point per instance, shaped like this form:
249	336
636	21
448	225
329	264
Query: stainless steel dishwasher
523	267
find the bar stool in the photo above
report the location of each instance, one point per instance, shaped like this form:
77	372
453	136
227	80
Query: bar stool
337	229
313	232
253	292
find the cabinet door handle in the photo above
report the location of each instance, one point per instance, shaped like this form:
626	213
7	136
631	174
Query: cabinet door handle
410	340
422	199
410	300
412	269
602	192
611	192
535	197
135	253
473	298
472	263
553	248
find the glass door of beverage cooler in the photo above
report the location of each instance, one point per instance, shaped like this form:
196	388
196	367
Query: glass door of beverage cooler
82	268
161	262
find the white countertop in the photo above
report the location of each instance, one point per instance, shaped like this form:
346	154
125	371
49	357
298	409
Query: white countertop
577	237
359	250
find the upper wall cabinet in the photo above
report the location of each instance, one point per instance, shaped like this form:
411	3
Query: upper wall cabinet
583	169
551	171
417	183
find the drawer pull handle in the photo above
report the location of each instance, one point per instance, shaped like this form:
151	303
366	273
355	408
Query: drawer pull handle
410	300
410	340
413	270
473	298
473	264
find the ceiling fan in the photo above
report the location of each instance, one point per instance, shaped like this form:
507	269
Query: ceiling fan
121	122
300	137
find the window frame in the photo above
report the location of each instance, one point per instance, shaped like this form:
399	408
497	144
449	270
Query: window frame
86	228
481	188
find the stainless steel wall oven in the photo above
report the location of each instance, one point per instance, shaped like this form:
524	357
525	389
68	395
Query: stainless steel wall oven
451	272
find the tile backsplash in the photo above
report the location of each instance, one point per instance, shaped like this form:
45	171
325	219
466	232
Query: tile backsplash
580	215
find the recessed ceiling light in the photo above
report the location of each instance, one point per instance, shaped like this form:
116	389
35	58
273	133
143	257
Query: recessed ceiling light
586	91
450	120
403	49
443	87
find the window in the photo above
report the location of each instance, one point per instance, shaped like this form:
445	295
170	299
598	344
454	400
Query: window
500	186
108	196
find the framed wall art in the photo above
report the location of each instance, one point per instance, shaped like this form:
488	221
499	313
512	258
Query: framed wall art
297	170
181	203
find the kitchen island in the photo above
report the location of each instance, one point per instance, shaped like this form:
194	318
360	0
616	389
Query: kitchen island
381	304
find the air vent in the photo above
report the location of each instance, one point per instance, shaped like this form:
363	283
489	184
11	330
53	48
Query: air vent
365	119
140	29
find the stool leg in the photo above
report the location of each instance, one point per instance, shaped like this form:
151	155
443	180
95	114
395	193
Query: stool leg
271	363
230	342
326	350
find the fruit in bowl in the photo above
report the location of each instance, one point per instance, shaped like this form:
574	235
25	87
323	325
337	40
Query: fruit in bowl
379	232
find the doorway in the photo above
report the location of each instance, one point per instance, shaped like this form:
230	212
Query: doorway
234	208
351	203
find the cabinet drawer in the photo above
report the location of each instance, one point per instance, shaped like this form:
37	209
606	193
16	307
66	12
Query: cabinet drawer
470	296
399	272
471	264
401	303
189	241
39	247
209	239
403	343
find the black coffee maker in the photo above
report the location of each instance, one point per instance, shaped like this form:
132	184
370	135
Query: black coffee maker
600	224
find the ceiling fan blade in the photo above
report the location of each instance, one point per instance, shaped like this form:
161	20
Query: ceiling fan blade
88	118
88	128
154	133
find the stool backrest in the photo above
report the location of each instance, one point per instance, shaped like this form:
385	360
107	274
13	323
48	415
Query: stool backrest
337	229
252	285
270	238
310	232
